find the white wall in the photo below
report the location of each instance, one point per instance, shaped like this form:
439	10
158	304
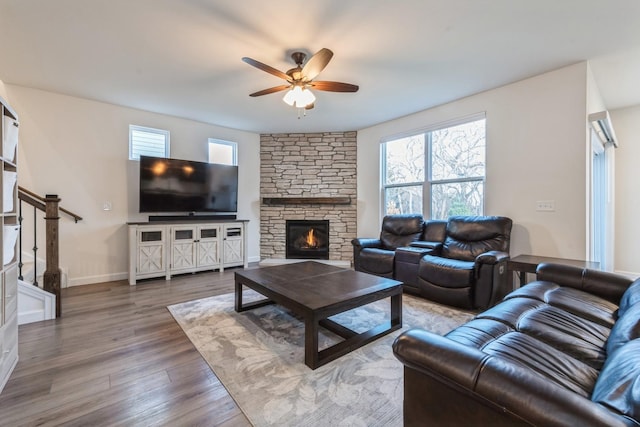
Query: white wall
627	211
3	91
536	150
78	149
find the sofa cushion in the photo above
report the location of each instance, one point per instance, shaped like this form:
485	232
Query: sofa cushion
400	230
580	303
574	335
553	364
627	328
450	273
478	332
579	338
618	386
630	298
469	236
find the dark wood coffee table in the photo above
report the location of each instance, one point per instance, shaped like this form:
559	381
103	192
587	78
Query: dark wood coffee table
317	291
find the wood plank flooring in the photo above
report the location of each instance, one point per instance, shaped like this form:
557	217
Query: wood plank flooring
118	358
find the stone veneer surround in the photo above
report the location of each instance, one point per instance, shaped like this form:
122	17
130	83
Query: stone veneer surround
308	165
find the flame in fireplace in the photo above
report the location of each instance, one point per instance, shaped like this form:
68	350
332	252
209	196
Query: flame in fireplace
311	240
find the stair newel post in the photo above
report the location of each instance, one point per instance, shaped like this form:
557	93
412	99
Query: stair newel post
20	264
52	273
35	246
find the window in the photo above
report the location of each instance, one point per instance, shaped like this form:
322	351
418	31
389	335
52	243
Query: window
437	173
145	141
224	152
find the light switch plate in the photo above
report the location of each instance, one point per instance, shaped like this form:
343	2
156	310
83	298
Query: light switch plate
545	205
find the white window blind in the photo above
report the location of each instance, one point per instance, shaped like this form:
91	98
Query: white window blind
144	141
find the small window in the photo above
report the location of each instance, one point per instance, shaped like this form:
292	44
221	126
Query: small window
223	152
145	141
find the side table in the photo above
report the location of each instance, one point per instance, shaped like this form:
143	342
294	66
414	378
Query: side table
523	264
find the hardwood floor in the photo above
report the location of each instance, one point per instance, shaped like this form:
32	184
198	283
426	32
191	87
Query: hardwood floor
117	357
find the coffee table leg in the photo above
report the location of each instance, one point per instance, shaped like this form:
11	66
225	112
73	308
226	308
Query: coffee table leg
238	298
396	310
311	326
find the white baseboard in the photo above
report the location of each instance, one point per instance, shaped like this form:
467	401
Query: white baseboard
90	280
31	316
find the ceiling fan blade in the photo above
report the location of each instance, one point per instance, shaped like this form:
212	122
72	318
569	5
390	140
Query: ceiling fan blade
267	68
270	90
334	86
316	64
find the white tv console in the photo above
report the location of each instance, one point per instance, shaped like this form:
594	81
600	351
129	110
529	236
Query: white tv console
165	248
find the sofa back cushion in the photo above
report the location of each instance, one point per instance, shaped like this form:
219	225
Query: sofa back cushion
435	230
400	230
618	385
469	236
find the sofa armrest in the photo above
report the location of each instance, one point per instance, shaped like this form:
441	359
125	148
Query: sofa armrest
435	355
366	242
425	244
492	257
609	286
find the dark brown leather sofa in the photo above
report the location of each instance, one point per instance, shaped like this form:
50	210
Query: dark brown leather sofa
561	351
460	262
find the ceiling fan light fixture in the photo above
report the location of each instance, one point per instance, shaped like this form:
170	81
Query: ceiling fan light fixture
299	97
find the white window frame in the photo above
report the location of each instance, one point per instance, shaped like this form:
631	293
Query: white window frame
134	153
428	181
233	145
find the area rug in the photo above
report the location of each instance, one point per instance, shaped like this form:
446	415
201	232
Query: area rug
259	357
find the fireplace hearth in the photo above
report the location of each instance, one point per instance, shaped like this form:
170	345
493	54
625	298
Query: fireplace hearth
307	239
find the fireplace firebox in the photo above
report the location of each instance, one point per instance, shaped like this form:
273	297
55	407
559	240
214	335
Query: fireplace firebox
307	239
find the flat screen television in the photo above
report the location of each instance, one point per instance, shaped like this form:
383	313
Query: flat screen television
173	185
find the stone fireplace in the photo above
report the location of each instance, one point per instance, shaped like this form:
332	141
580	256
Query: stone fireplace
308	176
307	239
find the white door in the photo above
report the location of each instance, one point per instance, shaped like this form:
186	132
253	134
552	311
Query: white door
601	203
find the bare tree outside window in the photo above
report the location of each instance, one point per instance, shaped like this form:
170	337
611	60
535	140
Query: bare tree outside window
404	175
458	170
454	173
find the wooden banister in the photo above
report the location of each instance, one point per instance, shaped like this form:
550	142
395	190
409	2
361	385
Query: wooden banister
50	206
32	198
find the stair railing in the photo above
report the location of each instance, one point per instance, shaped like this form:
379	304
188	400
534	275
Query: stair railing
50	206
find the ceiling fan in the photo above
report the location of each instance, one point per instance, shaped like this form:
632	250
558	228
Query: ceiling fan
300	79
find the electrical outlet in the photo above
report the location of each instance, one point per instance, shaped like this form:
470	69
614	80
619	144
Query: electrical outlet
545	205
106	205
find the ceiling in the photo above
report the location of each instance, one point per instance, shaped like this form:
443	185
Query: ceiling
183	57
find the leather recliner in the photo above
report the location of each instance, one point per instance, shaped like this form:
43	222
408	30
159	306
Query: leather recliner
469	269
376	256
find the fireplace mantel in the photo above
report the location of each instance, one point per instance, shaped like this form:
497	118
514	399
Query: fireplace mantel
306	200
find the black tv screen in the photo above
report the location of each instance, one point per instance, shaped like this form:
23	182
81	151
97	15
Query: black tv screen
173	185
